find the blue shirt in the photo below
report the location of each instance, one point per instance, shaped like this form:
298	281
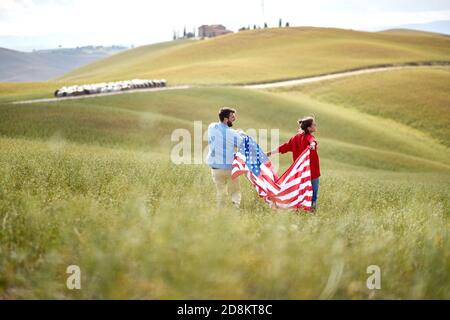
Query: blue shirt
223	143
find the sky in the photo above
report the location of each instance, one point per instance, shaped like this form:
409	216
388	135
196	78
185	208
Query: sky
71	23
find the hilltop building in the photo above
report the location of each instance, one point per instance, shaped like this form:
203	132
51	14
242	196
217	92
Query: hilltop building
212	31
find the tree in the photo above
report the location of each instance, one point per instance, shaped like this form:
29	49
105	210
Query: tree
287	24
280	23
265	25
254	26
184	32
174	35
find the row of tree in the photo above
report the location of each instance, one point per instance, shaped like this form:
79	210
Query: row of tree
280	25
186	34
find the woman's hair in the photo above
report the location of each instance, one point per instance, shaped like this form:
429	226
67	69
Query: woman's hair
305	123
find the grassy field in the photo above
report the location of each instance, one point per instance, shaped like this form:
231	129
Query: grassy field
266	55
246	57
14	91
418	98
145	121
90	182
139	228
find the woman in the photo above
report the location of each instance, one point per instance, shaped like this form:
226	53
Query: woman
297	144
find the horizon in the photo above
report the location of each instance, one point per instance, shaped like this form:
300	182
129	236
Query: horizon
131	46
29	24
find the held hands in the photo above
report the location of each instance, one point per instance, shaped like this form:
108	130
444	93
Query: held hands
312	146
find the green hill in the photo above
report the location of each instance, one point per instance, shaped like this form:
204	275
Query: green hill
266	55
10	91
145	121
412	32
91	182
41	65
418	98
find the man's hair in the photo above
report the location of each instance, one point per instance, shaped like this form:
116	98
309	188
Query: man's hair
225	113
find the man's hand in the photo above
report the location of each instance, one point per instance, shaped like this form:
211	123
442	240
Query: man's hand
269	154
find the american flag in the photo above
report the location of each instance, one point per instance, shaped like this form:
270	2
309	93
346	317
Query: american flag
292	190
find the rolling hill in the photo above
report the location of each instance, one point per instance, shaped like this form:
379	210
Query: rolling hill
266	55
91	181
442	27
145	121
42	65
418	98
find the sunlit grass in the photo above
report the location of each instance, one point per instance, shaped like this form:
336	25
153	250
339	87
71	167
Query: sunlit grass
143	228
90	182
418	98
145	121
265	55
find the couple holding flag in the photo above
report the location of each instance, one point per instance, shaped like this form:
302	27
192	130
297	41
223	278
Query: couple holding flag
232	153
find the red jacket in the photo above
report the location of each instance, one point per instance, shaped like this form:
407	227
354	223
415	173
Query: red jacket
297	144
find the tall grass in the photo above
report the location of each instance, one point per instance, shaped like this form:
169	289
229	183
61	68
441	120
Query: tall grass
89	183
143	228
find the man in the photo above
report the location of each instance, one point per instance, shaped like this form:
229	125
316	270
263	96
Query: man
223	142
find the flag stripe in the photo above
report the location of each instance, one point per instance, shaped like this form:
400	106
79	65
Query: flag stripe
292	190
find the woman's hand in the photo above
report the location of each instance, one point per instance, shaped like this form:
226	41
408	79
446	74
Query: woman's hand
269	153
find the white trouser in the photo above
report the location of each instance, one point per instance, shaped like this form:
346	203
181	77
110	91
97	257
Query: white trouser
224	184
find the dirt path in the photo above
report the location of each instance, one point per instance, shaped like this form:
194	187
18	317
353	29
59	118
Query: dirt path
338	75
275	84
